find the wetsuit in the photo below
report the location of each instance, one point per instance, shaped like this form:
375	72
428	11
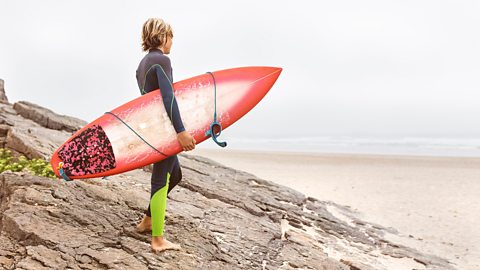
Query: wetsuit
155	72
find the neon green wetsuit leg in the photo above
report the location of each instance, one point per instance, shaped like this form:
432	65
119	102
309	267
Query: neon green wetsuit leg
158	205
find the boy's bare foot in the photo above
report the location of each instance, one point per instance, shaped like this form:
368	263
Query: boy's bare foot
145	224
160	244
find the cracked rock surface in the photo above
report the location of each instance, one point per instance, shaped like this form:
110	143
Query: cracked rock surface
223	218
3	97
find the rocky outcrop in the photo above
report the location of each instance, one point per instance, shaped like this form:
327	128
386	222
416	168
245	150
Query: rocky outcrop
25	136
3	96
47	118
222	217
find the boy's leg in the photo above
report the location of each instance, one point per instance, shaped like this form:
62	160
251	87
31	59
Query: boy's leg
176	175
158	200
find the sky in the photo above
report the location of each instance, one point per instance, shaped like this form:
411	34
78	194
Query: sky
356	68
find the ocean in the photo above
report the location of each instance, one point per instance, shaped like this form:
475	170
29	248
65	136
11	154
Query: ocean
407	145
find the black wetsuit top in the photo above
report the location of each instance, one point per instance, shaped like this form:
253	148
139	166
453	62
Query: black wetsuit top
155	72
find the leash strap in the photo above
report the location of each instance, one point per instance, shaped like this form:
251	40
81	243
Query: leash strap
214	124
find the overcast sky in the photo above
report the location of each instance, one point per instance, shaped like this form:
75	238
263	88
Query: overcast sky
350	67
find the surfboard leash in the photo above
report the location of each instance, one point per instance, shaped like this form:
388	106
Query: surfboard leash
62	172
211	132
136	133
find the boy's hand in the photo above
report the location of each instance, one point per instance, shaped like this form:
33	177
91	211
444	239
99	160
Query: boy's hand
186	140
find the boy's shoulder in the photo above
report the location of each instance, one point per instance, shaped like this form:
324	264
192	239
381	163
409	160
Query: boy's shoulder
157	58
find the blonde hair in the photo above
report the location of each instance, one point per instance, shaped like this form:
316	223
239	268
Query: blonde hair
155	33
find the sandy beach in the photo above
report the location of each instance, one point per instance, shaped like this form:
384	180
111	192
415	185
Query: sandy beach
433	201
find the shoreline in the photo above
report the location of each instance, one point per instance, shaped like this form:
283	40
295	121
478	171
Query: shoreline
432	200
323	154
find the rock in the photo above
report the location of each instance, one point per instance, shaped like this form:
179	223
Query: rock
3	96
26	137
3	135
223	218
47	118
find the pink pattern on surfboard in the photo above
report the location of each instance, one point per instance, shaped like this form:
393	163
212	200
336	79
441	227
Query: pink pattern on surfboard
88	153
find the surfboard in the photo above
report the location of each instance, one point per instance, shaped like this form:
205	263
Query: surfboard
139	132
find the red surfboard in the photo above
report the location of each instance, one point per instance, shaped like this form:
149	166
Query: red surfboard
139	132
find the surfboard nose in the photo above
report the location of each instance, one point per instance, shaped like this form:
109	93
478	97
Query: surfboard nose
260	79
269	75
257	78
258	73
241	89
267	71
263	79
274	71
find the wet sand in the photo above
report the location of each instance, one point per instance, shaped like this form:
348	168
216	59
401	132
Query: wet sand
434	201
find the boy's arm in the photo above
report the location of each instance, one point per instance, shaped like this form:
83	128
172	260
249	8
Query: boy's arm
169	100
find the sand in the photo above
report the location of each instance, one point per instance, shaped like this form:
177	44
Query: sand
433	200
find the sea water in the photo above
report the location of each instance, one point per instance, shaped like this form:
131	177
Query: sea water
399	145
